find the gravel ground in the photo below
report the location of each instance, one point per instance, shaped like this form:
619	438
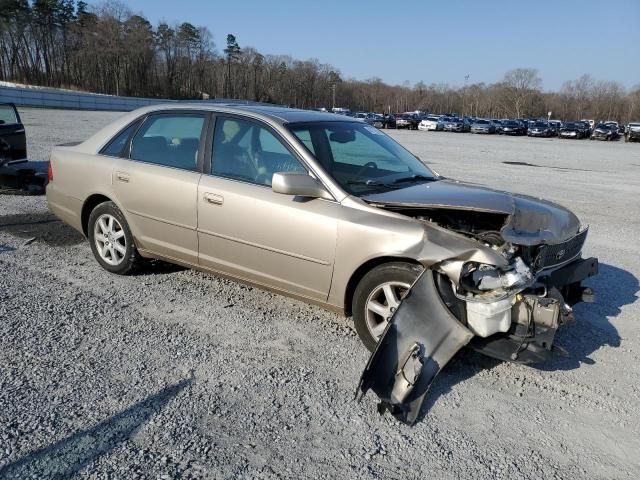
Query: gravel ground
177	374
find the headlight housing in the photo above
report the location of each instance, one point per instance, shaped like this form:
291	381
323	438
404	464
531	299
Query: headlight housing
481	279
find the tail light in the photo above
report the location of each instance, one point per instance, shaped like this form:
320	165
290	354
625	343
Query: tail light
50	172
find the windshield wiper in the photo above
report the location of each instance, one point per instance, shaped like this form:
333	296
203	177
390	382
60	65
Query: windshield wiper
413	178
372	183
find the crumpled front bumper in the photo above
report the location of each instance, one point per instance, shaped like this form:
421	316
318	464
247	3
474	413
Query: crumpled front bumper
531	342
421	338
423	335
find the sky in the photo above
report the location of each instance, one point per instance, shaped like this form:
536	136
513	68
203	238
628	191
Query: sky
434	41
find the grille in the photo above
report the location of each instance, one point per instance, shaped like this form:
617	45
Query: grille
550	255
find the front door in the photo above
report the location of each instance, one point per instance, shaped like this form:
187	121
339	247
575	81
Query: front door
157	184
249	231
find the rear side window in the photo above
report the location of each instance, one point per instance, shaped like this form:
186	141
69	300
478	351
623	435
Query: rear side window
116	146
7	115
170	140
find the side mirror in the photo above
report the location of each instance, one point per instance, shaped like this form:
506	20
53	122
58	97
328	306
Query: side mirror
298	184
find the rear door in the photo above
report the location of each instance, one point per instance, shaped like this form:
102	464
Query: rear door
13	142
157	184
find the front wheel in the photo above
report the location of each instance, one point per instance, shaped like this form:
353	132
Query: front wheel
111	239
377	297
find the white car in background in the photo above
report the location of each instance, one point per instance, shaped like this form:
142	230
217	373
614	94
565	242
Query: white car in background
430	123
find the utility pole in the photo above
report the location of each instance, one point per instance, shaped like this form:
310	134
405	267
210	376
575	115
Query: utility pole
464	96
333	96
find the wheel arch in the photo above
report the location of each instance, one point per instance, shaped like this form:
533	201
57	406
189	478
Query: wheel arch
89	204
365	268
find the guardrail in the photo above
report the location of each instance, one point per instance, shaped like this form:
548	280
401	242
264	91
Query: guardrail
53	98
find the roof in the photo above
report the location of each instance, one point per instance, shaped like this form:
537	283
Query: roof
275	113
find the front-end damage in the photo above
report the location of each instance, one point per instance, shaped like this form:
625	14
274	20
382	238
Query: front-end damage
501	283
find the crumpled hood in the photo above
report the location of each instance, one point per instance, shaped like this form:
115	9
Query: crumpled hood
531	221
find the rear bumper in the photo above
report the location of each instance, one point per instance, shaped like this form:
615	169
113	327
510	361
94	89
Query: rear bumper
535	345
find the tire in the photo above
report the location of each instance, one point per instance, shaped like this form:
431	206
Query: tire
119	255
400	274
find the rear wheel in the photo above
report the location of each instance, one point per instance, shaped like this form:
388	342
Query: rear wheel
377	297
111	239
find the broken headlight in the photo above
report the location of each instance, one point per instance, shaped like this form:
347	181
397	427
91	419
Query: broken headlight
480	278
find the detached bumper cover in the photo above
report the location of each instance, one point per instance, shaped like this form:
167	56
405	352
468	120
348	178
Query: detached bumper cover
419	341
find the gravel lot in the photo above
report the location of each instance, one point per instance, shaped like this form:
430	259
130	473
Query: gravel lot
177	374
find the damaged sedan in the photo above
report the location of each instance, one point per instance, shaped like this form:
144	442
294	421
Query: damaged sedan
334	212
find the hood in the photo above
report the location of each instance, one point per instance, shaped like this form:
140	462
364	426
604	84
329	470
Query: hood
530	220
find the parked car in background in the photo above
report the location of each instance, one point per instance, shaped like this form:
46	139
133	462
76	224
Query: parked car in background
632	132
620	128
512	127
605	132
555	125
482	125
498	124
585	127
572	130
592	123
340	110
430	123
404	121
525	124
454	124
389	121
375	119
540	129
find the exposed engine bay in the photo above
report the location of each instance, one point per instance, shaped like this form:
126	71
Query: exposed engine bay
509	308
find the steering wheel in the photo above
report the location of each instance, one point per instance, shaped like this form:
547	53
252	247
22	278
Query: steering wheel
365	166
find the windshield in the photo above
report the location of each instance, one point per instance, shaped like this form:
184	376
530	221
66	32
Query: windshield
540	125
361	158
602	125
570	125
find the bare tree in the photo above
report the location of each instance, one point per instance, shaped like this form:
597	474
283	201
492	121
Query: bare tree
109	49
519	86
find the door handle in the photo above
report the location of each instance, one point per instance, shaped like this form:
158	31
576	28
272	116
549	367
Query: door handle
213	198
122	177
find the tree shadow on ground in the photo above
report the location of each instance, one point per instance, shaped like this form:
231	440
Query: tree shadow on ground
614	288
68	456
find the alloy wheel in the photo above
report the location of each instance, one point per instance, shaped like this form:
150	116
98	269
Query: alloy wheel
382	303
110	239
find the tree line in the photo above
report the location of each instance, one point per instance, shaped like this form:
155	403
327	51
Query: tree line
109	49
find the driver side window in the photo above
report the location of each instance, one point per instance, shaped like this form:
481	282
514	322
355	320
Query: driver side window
244	150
